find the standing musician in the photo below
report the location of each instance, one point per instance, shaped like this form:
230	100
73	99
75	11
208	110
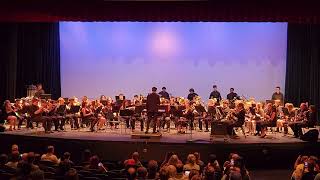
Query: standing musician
192	94
277	95
232	95
164	93
39	90
237	120
152	105
215	94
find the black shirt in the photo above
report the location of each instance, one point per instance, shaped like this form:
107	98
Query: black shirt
277	96
191	96
231	96
215	94
153	102
164	94
38	93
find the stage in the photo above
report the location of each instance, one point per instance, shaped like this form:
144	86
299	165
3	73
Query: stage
117	145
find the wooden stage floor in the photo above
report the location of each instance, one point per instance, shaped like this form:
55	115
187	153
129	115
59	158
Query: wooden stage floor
124	135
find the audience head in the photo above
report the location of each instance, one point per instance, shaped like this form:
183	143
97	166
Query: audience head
86	154
163	174
14	148
50	149
235	175
94	161
131	173
24	157
174	159
3	159
142	172
66	156
191	159
197	155
209	173
196	177
135	156
30	157
152	169
212	158
172	171
37	175
71	174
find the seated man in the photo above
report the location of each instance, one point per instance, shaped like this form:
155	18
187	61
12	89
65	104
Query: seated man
49	156
301	120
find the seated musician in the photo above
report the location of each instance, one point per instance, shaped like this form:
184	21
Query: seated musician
107	110
137	116
212	103
59	113
97	109
187	117
238	120
34	112
305	118
270	119
9	115
20	111
73	116
47	115
39	91
87	115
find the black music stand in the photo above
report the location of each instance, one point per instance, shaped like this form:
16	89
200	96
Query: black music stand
126	112
75	109
45	96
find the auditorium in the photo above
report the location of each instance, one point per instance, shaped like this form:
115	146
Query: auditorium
159	89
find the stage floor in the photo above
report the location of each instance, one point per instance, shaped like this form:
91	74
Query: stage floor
124	135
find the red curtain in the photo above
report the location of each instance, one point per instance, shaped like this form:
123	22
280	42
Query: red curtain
101	10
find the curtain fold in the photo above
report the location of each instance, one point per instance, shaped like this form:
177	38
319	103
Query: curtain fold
302	70
30	54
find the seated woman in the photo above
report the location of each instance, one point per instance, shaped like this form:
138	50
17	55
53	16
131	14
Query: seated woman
238	118
299	120
9	115
186	118
270	119
88	116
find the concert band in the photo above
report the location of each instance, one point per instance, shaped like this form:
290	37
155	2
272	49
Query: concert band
160	110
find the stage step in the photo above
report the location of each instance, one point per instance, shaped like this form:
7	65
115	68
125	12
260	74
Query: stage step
142	135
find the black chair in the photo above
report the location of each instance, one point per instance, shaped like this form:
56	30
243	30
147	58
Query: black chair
49	175
85	173
6	176
47	163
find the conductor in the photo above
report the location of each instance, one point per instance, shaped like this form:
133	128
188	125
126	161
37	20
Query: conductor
153	102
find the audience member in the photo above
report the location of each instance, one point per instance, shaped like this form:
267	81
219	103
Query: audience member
142	173
95	164
191	163
172	171
71	174
50	156
153	169
166	159
13	163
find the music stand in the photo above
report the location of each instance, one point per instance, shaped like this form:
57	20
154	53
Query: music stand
75	109
126	112
61	109
45	96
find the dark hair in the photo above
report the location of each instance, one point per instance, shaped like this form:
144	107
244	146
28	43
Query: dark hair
39	84
72	174
278	87
154	89
191	90
3	159
232	89
214	86
212	158
164	88
66	155
50	149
